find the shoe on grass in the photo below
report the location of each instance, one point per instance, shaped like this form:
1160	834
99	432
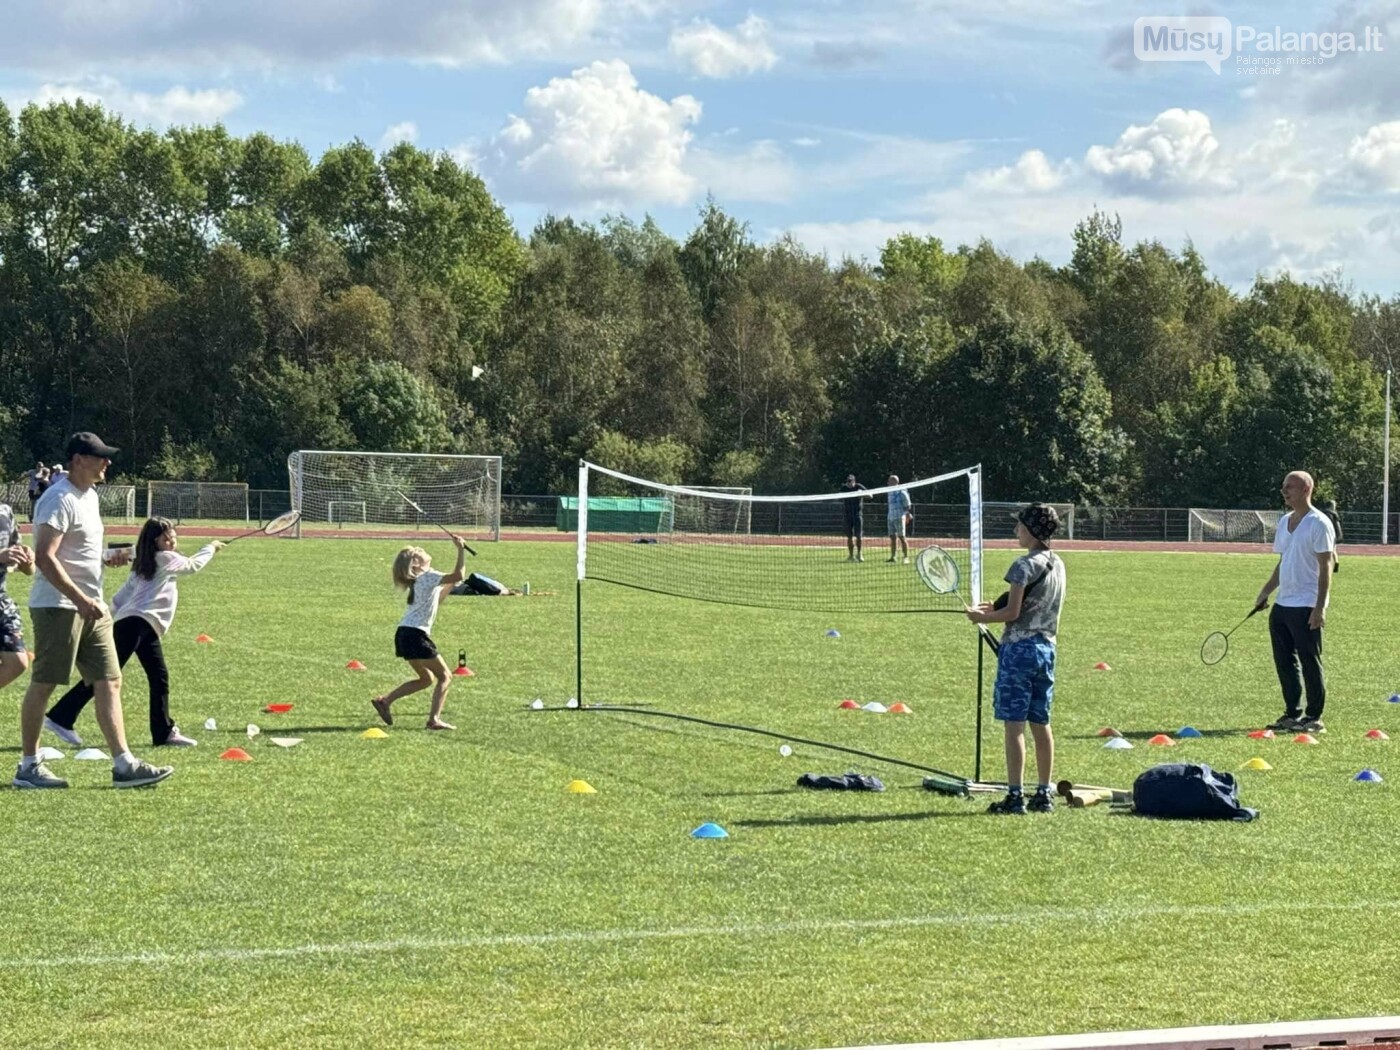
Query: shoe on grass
1286	724
178	739
1041	802
1010	804
1311	725
37	776
63	733
143	774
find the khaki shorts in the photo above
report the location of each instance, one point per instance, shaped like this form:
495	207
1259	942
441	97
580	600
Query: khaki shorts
64	640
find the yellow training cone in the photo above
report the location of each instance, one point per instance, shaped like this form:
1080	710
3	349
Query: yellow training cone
581	787
1256	763
374	733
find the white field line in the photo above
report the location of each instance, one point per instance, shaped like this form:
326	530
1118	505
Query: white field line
1029	919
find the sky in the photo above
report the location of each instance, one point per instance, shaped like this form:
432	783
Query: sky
841	123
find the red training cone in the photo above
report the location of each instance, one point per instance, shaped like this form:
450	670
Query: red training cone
1109	731
1262	734
1101	666
1377	734
464	672
204	638
1305	738
277	709
236	754
355	665
1162	740
849	705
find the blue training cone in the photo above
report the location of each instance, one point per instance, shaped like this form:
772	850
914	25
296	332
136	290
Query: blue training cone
1394	698
709	831
1189	731
833	633
1369	776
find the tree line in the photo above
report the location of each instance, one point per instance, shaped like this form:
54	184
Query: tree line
210	303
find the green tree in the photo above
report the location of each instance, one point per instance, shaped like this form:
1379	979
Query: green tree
389	410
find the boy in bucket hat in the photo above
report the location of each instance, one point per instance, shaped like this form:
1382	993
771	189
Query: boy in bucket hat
1025	684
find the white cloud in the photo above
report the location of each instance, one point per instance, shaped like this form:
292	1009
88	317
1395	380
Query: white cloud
596	138
178	105
760	172
1373	159
405	131
1032	173
107	34
1176	153
711	51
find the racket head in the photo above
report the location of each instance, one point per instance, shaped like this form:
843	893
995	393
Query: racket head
281	523
937	569
1214	648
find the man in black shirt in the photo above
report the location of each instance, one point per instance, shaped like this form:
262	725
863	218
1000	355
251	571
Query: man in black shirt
853	507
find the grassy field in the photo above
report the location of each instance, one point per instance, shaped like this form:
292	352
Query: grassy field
444	889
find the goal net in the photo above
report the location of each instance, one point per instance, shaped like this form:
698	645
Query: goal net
700	514
357	492
1231	526
209	500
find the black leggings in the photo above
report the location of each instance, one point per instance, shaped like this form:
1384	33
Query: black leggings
131	635
1298	646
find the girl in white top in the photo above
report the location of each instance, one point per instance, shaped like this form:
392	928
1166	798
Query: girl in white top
142	611
412	641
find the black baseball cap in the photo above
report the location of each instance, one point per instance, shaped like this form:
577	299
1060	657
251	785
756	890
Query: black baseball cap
86	443
1040	520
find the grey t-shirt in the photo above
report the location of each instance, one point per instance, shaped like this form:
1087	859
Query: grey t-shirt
1040	608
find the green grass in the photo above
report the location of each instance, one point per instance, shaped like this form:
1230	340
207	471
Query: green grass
444	890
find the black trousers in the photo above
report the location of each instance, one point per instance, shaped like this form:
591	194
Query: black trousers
131	635
1296	646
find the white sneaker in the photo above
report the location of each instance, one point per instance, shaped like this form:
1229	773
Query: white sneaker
63	733
906	559
178	739
860	557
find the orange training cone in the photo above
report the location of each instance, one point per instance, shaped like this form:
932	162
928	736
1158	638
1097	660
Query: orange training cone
464	672
1305	738
355	665
236	754
1377	734
1162	740
1101	666
1262	734
901	709
1109	731
277	709
204	638
849	705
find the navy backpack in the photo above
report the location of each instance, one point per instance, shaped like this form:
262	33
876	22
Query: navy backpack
1189	792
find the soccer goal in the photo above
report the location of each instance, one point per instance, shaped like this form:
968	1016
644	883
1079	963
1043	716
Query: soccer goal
117	502
787	553
207	500
368	489
1231	526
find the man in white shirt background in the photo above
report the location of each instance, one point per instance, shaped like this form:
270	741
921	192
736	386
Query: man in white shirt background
1305	545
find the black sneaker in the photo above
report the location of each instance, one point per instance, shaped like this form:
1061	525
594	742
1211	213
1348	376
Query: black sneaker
1010	804
1286	724
1311	725
1041	802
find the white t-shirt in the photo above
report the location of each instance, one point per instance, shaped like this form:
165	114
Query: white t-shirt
76	515
423	609
1298	569
154	600
9	536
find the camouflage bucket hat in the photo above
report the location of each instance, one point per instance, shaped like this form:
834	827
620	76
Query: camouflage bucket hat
1040	520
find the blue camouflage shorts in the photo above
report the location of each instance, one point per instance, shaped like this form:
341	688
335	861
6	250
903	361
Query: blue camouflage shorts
11	626
1025	684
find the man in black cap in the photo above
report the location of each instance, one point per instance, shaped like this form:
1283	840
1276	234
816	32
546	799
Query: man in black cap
1025	685
72	627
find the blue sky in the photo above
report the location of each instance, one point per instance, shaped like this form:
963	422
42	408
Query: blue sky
841	123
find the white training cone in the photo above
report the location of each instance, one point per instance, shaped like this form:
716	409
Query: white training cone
875	707
49	754
285	741
573	702
537	704
1117	743
253	731
91	754
785	751
210	724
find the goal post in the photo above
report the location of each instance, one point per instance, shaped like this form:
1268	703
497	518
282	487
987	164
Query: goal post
1206	525
208	500
791	553
334	488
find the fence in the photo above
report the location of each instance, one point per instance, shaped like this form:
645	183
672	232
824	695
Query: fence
1146	524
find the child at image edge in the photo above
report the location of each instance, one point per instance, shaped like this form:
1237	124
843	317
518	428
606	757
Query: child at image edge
412	641
1025	683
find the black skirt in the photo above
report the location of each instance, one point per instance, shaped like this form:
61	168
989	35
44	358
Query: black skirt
413	643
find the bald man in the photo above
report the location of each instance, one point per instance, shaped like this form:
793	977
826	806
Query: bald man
1305	545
